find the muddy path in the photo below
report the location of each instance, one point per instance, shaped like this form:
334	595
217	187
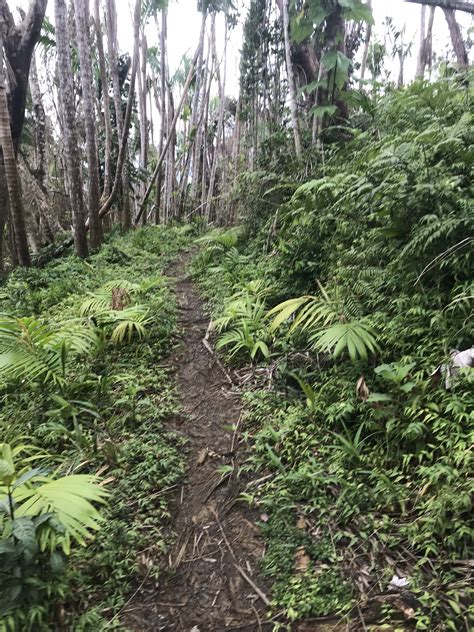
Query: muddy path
210	579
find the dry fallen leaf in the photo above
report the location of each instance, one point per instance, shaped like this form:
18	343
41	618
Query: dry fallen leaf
202	456
362	389
301	560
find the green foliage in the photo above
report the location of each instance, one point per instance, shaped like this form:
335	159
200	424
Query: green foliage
71	386
242	324
39	513
324	317
31	350
364	476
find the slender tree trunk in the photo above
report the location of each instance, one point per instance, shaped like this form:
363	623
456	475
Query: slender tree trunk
71	148
4	207
164	117
12	176
124	212
429	40
123	141
170	161
40	127
365	54
200	88
142	92
425	52
420	64
401	59
106	102
291	79
220	123
85	61
457	40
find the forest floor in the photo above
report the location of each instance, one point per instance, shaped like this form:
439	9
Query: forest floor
209	581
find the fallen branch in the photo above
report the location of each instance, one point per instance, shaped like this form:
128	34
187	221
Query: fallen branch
205	342
237	566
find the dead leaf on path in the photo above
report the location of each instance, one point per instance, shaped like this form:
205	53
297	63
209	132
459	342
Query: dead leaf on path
301	560
202	456
362	389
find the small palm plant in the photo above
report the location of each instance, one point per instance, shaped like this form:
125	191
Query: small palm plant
242	325
39	514
113	307
34	350
330	322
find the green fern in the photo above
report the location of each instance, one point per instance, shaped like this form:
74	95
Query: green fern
325	319
33	350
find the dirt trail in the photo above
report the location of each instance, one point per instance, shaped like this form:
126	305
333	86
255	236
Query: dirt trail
207	585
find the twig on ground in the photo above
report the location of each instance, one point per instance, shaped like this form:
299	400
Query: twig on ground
218	362
237	566
117	614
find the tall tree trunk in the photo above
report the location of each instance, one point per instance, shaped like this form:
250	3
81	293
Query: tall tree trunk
40	127
457	40
197	105
4	207
401	60
142	94
71	148
106	101
220	123
170	160
425	52
365	54
113	61
12	176
164	118
18	44
85	62
291	79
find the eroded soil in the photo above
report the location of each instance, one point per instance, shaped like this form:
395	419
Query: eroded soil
210	580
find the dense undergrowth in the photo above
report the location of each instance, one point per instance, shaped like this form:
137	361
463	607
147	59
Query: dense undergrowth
365	456
83	395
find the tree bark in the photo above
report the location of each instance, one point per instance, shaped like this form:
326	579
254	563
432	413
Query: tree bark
426	42
18	44
142	93
106	101
220	122
85	62
456	39
40	127
113	61
197	109
12	176
365	54
164	119
291	79
71	148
